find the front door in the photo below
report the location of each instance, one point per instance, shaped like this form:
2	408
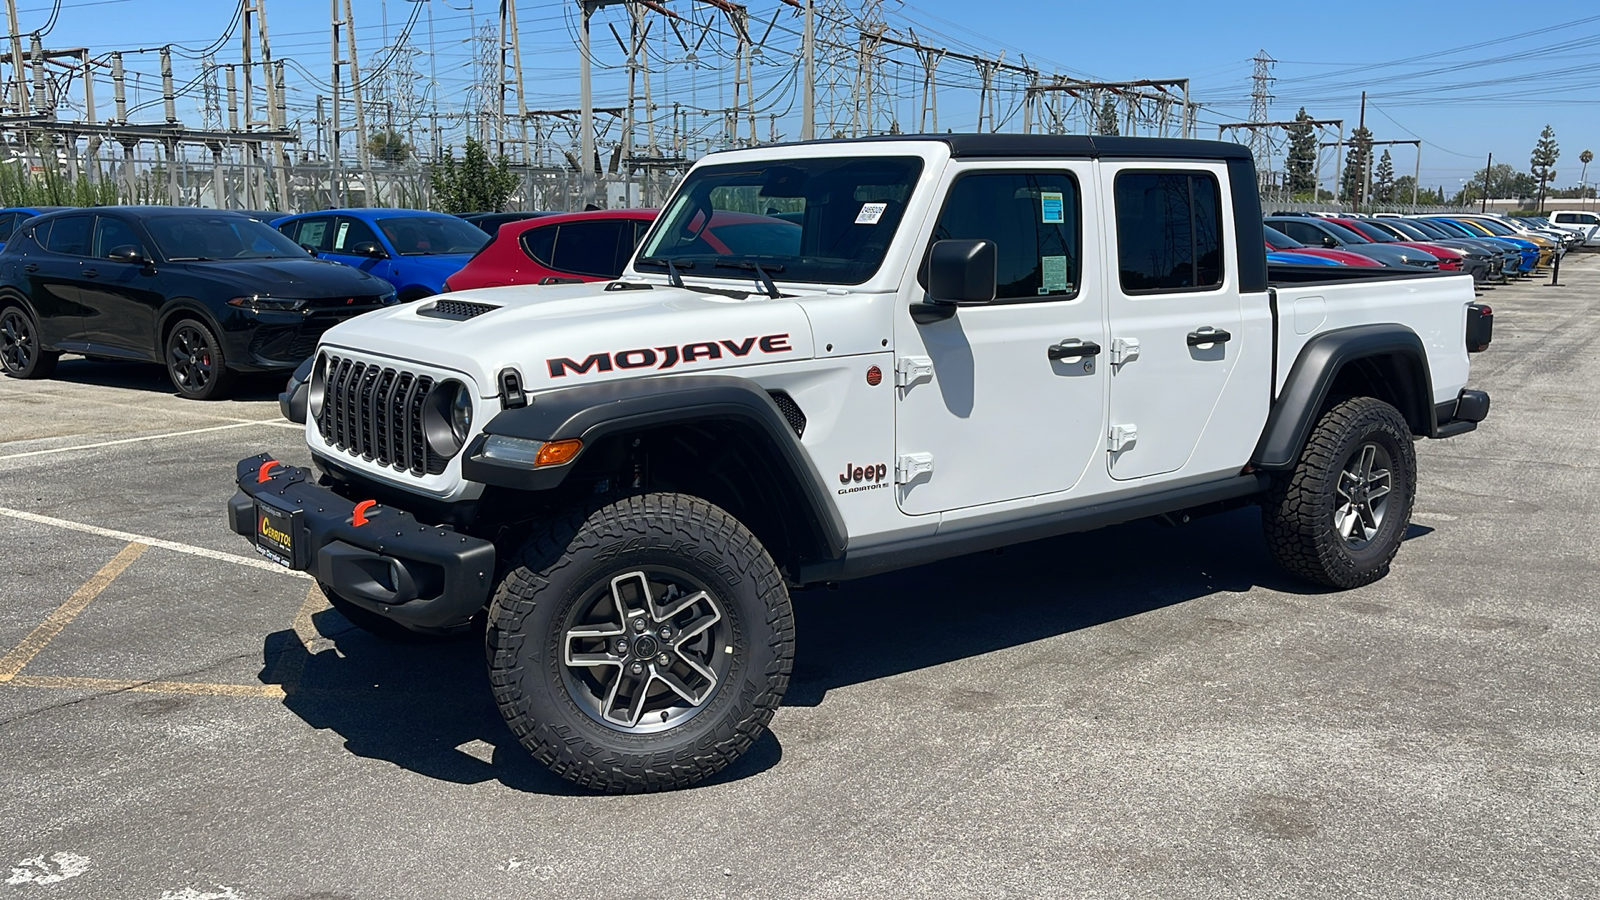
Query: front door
1174	310
346	234
986	412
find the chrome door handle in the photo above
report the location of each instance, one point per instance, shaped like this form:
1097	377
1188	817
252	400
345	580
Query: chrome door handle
1209	335
1074	349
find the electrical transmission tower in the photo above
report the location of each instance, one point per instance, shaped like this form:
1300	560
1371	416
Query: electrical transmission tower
836	44
1260	99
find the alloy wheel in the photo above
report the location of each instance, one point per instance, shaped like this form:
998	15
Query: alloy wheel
1363	495
189	356
17	345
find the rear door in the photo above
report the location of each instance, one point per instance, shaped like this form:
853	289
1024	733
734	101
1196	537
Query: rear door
54	277
120	299
986	412
1174	310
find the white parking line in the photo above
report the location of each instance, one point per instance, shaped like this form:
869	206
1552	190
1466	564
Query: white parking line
235	558
148	437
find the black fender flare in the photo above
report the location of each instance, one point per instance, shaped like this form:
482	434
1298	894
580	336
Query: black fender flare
592	412
1311	379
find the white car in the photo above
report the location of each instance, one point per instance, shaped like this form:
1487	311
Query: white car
921	347
1585	224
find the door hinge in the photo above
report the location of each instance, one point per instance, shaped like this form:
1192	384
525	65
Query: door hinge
909	370
1124	350
911	465
1122	436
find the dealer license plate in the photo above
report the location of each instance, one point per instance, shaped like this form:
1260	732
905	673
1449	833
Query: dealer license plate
275	534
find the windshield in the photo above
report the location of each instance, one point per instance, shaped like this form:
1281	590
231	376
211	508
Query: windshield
1376	234
1279	240
432	235
1491	227
1422	230
202	238
827	221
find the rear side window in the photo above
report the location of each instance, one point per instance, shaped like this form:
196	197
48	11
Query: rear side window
70	235
8	224
1169	231
309	232
539	243
589	248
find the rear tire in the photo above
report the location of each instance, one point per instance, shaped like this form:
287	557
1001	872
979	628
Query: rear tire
21	355
642	645
1339	517
195	362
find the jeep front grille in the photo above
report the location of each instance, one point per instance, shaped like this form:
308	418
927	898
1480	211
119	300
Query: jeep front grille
375	412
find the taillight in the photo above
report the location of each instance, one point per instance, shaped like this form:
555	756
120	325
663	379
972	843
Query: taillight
1480	327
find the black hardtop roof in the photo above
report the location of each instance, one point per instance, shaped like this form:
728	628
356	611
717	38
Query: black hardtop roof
1043	146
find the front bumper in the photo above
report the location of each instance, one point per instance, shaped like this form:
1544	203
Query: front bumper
428	579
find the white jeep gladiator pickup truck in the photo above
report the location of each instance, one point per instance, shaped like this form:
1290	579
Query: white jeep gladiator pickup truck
886	352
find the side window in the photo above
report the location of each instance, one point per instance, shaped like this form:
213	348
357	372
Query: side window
312	232
1033	219
8	224
588	248
538	243
1169	231
350	233
1301	232
70	235
109	234
1566	218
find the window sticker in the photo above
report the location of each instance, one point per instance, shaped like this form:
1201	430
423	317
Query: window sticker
344	229
1051	209
870	213
1053	273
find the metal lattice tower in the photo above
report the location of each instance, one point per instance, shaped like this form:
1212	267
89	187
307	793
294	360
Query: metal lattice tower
837	46
1260	99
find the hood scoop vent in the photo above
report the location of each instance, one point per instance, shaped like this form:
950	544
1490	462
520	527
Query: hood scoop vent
459	310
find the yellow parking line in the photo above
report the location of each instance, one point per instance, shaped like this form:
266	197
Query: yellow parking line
149	687
23	653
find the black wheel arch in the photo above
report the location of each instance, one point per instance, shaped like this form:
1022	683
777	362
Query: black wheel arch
716	435
1386	361
181	308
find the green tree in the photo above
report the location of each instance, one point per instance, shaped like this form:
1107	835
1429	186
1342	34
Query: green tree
1354	179
1585	157
389	147
1543	160
1505	183
1302	159
472	184
1106	121
1383	179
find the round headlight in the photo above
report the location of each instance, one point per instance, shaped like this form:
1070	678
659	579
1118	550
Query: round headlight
447	417
461	413
317	388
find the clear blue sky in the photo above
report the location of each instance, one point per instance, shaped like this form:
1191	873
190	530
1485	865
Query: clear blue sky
1467	77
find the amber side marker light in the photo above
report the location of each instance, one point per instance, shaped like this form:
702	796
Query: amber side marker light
557	452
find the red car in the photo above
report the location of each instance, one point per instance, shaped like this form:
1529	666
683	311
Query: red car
581	246
596	246
1449	260
1277	240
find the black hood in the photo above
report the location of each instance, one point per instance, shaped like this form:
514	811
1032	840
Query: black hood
303	279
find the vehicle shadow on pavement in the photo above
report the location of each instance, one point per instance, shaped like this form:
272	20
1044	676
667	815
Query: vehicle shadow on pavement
425	708
152	378
977	604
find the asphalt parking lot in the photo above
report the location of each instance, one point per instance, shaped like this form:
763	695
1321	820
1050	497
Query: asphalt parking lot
1140	711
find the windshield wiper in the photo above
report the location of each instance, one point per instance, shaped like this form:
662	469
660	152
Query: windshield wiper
762	278
673	278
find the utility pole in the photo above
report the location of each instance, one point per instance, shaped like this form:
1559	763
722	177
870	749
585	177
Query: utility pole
1365	150
335	191
808	88
1488	168
19	83
511	43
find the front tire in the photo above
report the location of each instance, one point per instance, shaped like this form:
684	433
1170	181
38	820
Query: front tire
1339	517
195	362
641	645
21	355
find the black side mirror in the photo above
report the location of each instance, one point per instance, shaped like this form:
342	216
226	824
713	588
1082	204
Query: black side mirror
370	249
128	253
310	249
962	272
1329	242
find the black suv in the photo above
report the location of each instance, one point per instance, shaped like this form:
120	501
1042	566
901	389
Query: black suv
205	292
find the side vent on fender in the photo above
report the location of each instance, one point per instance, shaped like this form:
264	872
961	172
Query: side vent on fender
791	412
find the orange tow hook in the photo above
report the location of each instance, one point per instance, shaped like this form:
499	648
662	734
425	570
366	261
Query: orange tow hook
359	517
262	476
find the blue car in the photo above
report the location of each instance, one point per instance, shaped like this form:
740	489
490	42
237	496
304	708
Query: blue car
13	216
411	249
1290	258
